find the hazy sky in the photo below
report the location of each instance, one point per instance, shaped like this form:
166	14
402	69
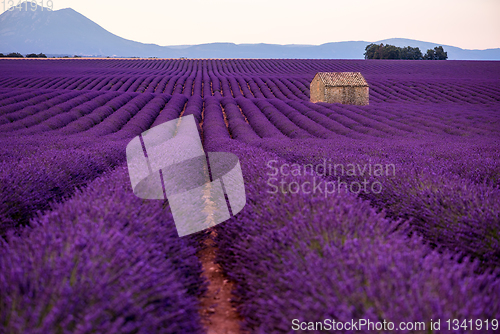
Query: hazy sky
470	24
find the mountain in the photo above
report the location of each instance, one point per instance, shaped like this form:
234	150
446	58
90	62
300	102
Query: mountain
67	32
63	31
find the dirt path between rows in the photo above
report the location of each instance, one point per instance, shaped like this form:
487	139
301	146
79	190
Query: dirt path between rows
219	316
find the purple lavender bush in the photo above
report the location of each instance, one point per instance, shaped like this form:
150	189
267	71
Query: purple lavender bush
49	171
80	253
306	257
102	261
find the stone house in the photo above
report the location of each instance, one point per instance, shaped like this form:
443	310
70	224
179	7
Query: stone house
340	87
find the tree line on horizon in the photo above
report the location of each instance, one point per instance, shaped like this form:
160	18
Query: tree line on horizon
381	51
18	55
32	55
372	51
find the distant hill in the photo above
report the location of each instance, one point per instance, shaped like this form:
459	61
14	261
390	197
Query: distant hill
67	32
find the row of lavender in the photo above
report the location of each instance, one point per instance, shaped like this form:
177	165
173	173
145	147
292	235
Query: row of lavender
402	70
294	88
102	113
447	186
42	168
207	84
302	257
257	282
254	168
80	254
97	258
37	171
463	82
357	287
127	115
102	261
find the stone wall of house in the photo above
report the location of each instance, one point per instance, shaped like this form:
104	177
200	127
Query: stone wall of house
317	90
346	95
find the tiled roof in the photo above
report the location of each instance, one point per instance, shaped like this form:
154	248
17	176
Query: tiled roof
336	79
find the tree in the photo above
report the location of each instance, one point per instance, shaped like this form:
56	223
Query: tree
370	51
430	55
34	55
440	53
15	55
381	51
391	52
437	53
411	53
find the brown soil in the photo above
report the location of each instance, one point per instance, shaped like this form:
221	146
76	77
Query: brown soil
219	316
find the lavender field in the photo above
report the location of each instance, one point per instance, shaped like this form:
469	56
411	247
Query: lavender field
417	241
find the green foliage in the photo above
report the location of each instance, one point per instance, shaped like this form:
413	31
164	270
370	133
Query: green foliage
14	55
437	53
390	52
411	53
34	55
370	51
375	51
